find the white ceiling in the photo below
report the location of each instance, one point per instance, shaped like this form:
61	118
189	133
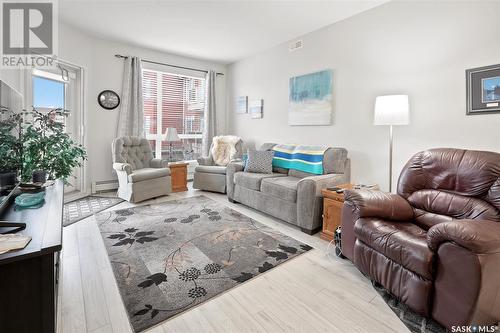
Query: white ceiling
221	31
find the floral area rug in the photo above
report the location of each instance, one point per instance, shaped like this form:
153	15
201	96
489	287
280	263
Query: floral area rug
172	256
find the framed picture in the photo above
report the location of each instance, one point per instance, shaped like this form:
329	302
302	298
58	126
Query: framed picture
483	90
242	104
311	99
255	108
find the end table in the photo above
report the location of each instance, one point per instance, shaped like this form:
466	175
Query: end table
178	174
332	211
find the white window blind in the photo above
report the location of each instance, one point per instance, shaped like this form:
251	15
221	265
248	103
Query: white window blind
172	100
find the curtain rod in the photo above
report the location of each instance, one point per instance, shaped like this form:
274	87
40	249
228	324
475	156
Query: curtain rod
169	65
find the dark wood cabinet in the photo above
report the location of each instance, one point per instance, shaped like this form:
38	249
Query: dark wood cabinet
29	277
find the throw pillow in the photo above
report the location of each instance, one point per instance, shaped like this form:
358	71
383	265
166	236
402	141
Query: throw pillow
260	161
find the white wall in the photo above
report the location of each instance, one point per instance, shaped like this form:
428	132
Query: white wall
420	49
11	77
104	71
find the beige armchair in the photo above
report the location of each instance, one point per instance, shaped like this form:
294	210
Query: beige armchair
140	176
210	174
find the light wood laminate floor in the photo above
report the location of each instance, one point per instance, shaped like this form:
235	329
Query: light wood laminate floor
314	292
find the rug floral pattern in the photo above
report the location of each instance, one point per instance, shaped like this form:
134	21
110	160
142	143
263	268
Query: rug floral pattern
172	256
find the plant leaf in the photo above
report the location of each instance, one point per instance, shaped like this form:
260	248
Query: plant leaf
117	236
125	242
266	266
158	278
278	255
243	277
145	283
288	249
144	233
141	312
305	247
143	240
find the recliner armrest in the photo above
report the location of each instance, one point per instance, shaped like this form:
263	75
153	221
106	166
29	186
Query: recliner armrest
235	167
205	161
379	204
158	163
478	236
123	167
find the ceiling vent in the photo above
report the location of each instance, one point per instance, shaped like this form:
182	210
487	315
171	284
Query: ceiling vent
295	45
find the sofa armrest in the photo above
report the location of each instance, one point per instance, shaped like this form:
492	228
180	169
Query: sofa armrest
478	236
205	161
231	169
310	201
317	183
123	167
369	203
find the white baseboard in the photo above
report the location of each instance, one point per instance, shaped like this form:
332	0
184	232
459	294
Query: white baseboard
104	185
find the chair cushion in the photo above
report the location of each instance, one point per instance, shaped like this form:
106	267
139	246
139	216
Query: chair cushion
403	242
284	188
211	169
259	161
147	173
252	180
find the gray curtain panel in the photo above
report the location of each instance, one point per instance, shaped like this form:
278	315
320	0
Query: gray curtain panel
210	120
130	118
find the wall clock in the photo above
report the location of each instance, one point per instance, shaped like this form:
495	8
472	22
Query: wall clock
108	99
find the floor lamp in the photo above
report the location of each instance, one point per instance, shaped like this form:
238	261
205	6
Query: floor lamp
391	110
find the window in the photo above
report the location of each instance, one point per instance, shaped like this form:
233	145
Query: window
172	100
47	93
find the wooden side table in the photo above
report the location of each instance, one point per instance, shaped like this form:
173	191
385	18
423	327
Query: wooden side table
332	211
178	174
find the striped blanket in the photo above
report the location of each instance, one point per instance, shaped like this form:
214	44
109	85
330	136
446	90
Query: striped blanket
299	157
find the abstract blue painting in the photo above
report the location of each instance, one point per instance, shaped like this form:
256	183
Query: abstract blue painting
311	99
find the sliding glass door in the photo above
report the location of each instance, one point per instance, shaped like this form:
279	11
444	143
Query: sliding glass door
61	87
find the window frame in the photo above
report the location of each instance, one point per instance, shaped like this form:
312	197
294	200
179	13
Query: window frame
159	135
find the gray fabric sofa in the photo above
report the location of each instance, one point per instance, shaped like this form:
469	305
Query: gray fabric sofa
290	195
140	176
211	177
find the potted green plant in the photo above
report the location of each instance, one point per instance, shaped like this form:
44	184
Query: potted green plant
47	147
10	147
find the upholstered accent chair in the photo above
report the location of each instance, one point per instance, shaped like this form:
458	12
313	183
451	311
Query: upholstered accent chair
210	174
140	176
436	244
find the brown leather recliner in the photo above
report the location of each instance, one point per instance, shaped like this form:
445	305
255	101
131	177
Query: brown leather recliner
436	244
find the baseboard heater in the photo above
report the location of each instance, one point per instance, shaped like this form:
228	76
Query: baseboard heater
103	186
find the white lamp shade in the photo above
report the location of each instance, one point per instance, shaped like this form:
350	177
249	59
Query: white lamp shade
392	110
171	135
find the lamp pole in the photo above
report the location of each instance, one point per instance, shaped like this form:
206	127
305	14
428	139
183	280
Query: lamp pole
390	158
391	110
